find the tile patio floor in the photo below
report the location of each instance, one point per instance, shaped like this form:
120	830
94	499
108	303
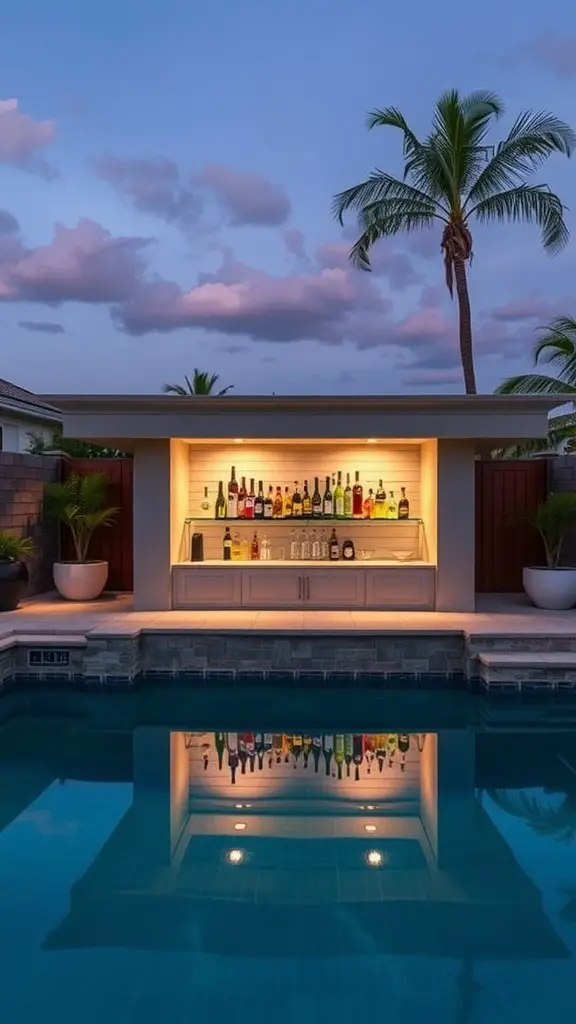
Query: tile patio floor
496	615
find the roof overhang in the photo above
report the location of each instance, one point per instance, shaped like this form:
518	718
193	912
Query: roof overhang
127	419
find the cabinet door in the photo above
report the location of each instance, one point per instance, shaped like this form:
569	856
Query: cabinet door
334	588
400	589
272	588
206	588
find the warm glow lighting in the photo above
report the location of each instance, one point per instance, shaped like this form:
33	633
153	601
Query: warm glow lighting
369	828
238	440
374	858
371	440
240	806
369	807
235	856
240	826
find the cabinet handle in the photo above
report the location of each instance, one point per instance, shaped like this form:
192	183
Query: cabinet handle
308	587
299	588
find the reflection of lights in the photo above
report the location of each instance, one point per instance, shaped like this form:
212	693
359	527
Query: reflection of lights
240	826
369	828
238	440
239	807
235	856
374	858
371	440
369	807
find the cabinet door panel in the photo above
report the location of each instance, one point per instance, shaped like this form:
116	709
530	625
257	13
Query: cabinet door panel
206	588
400	589
272	588
334	588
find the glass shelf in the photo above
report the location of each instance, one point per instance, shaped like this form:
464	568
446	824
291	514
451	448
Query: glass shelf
301	519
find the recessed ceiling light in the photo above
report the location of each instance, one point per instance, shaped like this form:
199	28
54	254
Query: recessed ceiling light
240	826
374	858
371	440
238	440
369	828
235	856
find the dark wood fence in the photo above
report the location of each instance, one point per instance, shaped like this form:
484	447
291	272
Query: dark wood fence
505	542
113	543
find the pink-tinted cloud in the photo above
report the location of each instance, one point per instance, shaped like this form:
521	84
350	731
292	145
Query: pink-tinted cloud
41	326
523	309
556	53
22	138
395	266
155	186
296	246
81	264
244	198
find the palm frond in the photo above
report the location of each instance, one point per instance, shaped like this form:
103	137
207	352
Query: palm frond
174	389
534	384
378	189
202	383
558	822
384	220
532	204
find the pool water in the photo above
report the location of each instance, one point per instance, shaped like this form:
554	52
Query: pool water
159	866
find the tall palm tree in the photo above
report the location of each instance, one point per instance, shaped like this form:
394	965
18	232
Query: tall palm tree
453	177
556	348
201	384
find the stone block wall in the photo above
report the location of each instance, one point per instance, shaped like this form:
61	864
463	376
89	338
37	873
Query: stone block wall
22	481
562	477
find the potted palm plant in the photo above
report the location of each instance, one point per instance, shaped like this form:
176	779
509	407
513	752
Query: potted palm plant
552	586
13	570
81	504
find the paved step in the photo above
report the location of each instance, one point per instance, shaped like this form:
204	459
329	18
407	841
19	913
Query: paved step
527	669
528	659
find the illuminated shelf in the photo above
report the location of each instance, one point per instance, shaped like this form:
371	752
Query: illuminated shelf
296	520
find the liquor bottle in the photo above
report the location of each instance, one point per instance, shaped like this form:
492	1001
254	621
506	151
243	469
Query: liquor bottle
269	504
348	752
232	745
232	511
250	499
348	498
339	752
278	504
205	506
316	499
380	502
316	751
306	503
287	504
227	554
242	499
328	500
307	749
220	744
357	754
357	498
403	505
348	550
260	749
220	510
259	503
328	747
339	497
391	507
296	500
334	547
368	505
255	548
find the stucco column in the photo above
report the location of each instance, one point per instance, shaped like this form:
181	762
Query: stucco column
456	554
152	539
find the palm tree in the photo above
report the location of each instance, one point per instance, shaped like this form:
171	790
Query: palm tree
454	177
201	384
555	348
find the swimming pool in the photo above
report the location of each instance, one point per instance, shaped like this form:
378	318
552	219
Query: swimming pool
237	858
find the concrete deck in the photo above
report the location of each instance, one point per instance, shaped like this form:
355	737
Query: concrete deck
496	616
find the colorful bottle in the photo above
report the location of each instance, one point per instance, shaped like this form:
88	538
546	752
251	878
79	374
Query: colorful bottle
255	548
205	506
316	752
232	745
339	752
357	498
296	749
348	751
287	503
232	510
220	744
334	547
278	505
249	504
328	747
316	500
380	502
227	545
328	500
391	507
259	503
357	754
403	505
348	498
296	500
339	497
242	499
368	505
220	509
381	750
306	501
269	504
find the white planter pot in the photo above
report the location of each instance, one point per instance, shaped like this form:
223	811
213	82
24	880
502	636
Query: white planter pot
550	588
80	581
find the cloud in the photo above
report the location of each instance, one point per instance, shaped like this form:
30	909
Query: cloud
385	262
21	137
433	378
424	243
41	326
8	223
553	52
154	186
296	246
82	264
245	199
524	309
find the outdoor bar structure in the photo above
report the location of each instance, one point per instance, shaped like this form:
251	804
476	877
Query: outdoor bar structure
404	541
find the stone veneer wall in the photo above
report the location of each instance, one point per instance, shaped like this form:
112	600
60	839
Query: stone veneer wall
22	480
562	477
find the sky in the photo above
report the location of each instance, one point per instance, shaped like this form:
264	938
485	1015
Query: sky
166	177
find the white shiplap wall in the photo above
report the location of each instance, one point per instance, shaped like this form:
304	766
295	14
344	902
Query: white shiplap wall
280	465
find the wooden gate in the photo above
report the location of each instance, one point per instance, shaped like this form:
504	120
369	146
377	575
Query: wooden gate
505	542
113	543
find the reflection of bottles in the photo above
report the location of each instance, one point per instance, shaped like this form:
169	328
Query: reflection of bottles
232	744
381	750
420	740
277	746
268	741
403	747
219	743
294	545
339	752
327	747
242	752
316	751
307	747
205	748
296	749
357	754
251	749
391	745
369	748
348	750
259	747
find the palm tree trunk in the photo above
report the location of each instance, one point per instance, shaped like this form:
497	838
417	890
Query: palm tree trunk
466	350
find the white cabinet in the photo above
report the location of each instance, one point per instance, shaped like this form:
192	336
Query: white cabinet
403	589
272	588
206	588
334	588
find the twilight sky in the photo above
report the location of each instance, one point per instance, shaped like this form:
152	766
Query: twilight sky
166	175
